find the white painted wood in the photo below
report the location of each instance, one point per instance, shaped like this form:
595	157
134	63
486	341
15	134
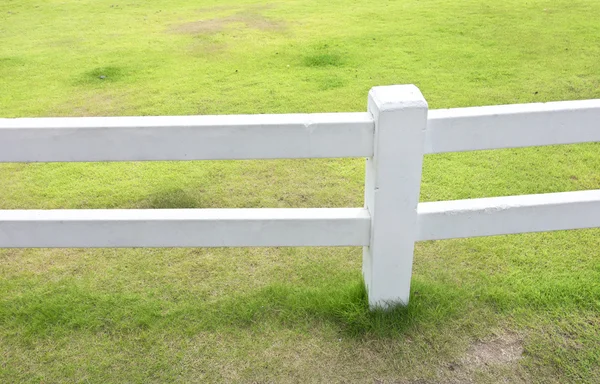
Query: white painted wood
288	136
393	180
184	228
186	137
394	134
509	126
509	215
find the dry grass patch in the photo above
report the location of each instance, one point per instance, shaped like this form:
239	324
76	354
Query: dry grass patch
487	361
201	26
217	8
99	103
201	47
506	349
251	17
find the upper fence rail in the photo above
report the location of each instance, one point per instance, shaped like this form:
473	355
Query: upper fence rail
228	137
511	126
320	135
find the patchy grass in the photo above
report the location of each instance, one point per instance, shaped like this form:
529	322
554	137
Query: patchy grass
248	18
521	308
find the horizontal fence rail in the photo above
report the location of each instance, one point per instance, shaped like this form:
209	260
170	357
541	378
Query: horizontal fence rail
512	126
233	137
272	227
508	215
101	228
394	134
319	135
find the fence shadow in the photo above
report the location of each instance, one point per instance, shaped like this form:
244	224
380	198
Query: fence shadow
170	199
345	308
64	307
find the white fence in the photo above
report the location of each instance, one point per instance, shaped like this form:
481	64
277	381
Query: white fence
393	135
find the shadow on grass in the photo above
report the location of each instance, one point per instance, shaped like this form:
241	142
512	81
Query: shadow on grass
346	308
102	75
64	307
170	199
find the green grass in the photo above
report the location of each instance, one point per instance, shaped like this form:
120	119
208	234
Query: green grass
295	314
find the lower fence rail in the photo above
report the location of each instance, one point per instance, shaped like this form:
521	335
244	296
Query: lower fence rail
121	228
293	227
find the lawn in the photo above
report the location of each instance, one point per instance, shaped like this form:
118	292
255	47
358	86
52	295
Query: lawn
520	308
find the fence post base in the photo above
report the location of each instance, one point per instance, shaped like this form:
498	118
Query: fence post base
392	186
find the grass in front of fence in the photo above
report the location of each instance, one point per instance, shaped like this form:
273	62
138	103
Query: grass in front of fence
524	307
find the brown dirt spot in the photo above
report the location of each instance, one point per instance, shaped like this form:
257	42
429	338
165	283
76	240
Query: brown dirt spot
504	350
206	48
68	42
201	26
217	8
258	21
251	17
492	358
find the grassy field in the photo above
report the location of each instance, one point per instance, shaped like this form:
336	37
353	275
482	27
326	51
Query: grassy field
523	308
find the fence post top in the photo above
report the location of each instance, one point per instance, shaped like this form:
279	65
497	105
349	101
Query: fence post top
396	97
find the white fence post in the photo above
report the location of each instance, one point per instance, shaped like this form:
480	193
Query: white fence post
393	180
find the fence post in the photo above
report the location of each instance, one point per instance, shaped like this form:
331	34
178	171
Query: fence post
392	185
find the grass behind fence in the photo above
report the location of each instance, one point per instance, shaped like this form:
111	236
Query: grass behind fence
296	314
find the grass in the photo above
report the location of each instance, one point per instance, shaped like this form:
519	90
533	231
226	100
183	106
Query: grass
297	314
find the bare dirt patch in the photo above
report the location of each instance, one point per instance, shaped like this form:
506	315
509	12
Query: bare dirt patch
488	360
216	8
506	349
202	48
258	21
251	17
201	26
